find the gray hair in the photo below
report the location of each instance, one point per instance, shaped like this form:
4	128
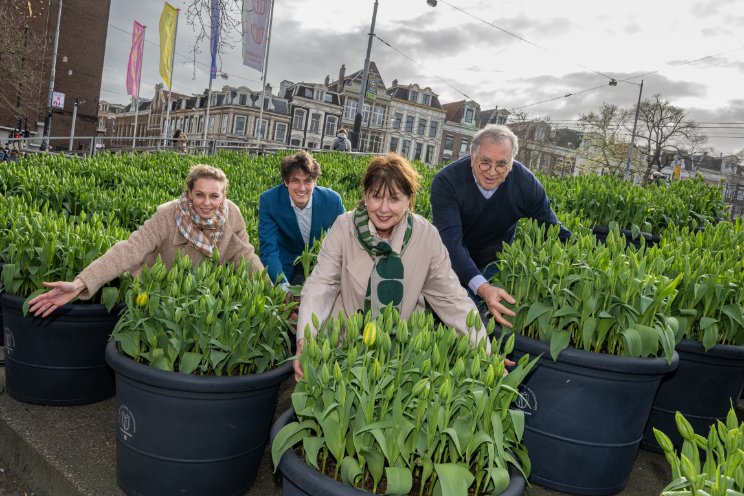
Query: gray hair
495	132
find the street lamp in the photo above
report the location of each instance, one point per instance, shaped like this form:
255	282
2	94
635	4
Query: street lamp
632	135
74	119
356	142
48	118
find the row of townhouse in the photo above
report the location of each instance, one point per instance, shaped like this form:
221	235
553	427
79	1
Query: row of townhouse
406	119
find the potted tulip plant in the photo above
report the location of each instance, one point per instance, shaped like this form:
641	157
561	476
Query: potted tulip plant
711	466
710	334
397	406
198	355
58	360
601	322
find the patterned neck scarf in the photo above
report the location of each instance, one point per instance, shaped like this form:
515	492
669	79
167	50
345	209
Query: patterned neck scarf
204	234
385	286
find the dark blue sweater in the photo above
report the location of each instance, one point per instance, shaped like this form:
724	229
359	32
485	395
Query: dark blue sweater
472	227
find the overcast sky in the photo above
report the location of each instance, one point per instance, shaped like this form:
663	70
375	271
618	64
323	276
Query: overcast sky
506	53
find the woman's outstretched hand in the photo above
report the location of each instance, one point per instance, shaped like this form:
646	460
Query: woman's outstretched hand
60	293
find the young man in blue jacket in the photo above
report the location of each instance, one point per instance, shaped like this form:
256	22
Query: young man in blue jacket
476	202
292	215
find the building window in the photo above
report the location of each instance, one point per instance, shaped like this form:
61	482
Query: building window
210	128
429	153
409	123
397	120
315	123
239	126
295	142
406	148
200	127
469	115
426	99
243	99
365	112
464	147
413	96
375	143
417	153
350	109
260	131
225	122
328	97
280	132
448	142
299	119
331	124
378	115
433	128
421	125
394	144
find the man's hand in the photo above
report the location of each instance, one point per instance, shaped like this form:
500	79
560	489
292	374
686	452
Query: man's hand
493	296
61	293
296	363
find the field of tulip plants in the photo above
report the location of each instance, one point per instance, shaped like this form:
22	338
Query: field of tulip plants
398	406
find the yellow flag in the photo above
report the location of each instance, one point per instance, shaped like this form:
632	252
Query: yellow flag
168	23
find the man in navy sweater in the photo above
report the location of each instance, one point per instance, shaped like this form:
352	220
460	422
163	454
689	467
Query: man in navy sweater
476	202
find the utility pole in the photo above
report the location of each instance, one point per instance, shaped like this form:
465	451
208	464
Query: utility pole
357	142
632	135
48	118
74	118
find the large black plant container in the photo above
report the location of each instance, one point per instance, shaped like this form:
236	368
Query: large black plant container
186	434
58	360
585	415
703	388
300	479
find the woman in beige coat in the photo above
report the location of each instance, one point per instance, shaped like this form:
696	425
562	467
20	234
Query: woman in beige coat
201	220
384	250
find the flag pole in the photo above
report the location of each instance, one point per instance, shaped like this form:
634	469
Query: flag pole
136	100
263	77
212	68
166	127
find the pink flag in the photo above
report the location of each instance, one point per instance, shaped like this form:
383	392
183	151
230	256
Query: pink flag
255	32
134	69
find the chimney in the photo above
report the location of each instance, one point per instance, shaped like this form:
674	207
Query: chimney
341	76
327	81
268	88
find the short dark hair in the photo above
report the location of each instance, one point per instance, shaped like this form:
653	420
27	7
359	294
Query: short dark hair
385	172
301	161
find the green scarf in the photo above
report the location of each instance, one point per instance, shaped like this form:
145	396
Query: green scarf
385	286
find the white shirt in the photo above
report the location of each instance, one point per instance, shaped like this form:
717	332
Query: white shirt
304	218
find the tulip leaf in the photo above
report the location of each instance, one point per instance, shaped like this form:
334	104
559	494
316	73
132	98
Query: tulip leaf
500	478
312	445
399	480
350	471
453	479
559	342
375	462
288	436
189	362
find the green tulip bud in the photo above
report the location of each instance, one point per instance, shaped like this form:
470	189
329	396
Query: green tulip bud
402	333
436	357
459	369
445	390
210	317
463	345
325	375
325	350
352	354
490	376
426	367
475	367
684	427
376	369
420	387
337	372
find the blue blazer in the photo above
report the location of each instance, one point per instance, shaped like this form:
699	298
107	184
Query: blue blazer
279	237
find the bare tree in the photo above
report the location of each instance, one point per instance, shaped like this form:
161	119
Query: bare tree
604	146
20	63
661	126
534	135
199	16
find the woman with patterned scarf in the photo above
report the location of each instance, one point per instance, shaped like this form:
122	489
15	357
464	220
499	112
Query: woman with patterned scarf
383	254
201	220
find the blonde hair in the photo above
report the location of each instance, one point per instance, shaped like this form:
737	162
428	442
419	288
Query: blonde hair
204	171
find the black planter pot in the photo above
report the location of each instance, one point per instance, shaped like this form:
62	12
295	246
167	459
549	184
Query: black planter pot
703	388
601	232
585	415
185	434
300	479
2	327
58	360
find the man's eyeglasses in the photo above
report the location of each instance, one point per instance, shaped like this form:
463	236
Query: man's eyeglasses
499	166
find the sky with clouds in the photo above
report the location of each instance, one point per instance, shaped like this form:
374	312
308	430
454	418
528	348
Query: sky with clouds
513	54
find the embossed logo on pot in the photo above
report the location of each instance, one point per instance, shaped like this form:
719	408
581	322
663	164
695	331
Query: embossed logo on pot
527	400
9	341
127	423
